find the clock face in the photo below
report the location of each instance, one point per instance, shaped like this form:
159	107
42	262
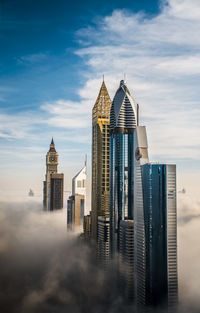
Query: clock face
52	159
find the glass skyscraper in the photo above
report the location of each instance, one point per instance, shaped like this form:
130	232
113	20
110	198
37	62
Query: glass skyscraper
123	121
157	277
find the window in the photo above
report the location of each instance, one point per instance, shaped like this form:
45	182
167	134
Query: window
79	183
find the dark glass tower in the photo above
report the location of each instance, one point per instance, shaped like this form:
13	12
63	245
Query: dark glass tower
123	122
157	282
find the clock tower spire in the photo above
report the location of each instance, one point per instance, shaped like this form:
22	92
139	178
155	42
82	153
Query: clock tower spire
51	168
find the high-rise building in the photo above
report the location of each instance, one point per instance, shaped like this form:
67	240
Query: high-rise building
123	121
155	230
75	211
76	204
53	184
155	238
126	256
100	157
104	240
57	191
160	220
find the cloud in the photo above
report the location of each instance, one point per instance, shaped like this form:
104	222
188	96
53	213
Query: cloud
68	114
188	208
44	268
160	56
33	58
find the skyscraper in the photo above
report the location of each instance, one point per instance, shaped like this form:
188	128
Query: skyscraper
57	191
76	204
100	157
155	238
123	121
53	184
160	223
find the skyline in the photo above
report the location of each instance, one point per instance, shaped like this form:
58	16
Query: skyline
160	62
57	59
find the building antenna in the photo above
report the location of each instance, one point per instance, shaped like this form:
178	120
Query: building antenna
124	76
103	77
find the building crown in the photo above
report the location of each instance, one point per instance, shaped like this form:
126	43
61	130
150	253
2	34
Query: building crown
52	146
102	105
123	113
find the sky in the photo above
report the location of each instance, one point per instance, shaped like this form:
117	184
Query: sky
53	56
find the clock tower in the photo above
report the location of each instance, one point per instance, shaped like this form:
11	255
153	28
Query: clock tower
51	168
51	159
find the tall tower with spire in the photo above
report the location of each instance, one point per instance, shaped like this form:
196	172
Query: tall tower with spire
123	121
100	157
53	184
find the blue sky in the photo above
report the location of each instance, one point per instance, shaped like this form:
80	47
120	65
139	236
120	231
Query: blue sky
53	55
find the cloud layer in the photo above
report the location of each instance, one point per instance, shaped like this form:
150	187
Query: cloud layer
43	268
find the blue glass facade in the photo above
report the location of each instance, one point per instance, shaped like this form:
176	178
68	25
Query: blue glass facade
156	182
121	180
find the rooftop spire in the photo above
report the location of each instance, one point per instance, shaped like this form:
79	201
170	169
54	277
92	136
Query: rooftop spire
102	105
52	146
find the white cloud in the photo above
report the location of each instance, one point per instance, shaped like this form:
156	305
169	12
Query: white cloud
160	56
68	114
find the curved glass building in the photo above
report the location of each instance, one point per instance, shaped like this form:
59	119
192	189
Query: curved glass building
123	121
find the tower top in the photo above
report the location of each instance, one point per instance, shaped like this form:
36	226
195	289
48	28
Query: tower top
123	113
102	105
52	146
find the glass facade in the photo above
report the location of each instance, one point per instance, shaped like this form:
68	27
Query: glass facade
122	126
121	177
159	207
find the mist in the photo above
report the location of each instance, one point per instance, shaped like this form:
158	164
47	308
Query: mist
44	268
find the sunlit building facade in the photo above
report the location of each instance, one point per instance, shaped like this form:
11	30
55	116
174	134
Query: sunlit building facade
100	158
76	204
